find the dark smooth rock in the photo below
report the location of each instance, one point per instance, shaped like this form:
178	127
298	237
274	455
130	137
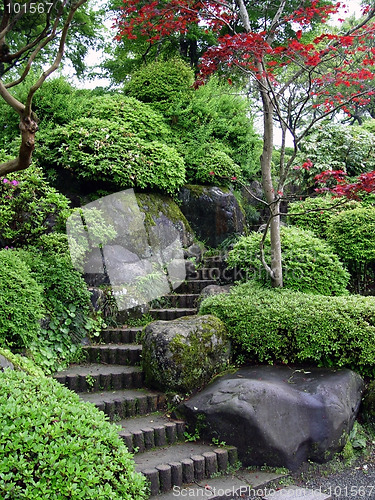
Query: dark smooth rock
184	354
213	212
277	415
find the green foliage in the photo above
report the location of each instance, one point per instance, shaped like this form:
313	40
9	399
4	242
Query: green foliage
104	151
336	147
57	102
284	326
20	302
22	363
29	207
139	119
66	306
215	118
67	450
161	82
315	213
351	233
216	168
309	263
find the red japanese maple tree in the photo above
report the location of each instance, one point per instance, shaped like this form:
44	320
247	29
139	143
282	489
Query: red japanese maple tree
301	77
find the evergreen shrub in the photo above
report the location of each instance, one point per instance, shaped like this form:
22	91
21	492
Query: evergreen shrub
284	326
309	263
54	446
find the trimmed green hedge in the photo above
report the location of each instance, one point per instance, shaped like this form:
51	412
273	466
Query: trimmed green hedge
53	446
283	326
309	263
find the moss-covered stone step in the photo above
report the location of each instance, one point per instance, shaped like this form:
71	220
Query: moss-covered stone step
194	286
150	431
95	377
171	314
126	403
114	354
183	463
120	335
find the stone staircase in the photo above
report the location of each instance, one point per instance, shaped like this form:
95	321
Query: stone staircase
112	380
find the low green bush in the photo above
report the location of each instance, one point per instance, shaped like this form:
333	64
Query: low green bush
214	167
21	302
29	207
315	213
101	150
309	263
53	446
283	326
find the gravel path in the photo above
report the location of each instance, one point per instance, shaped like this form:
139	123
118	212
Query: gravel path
355	481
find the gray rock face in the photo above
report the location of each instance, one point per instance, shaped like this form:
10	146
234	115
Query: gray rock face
279	416
5	363
213	213
184	354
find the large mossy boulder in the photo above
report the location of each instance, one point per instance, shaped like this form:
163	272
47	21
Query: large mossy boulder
184	354
214	213
278	415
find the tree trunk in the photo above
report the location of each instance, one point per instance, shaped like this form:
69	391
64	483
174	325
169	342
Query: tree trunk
272	199
28	127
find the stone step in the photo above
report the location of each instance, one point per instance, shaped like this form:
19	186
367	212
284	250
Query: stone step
121	335
194	286
182	300
146	432
183	463
98	377
116	354
242	483
126	403
171	314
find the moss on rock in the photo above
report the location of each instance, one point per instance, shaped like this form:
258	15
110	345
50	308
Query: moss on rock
184	354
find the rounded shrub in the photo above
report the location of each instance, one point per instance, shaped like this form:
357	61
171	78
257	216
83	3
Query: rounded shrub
160	82
315	213
215	167
104	151
21	302
351	233
309	263
284	326
29	207
66	450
